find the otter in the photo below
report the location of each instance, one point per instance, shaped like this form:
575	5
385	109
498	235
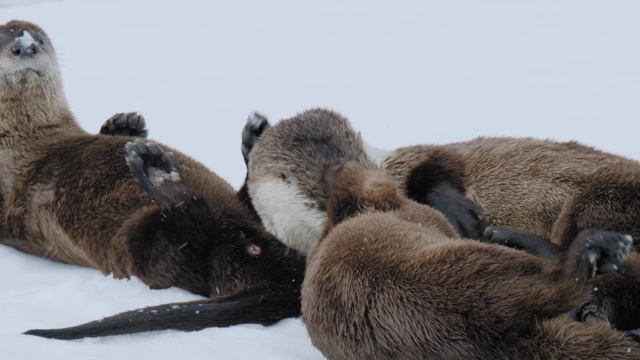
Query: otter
287	182
548	190
122	205
390	279
288	194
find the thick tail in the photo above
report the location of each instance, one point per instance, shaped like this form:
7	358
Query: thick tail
257	308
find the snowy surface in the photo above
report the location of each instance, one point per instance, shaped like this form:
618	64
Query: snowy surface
403	72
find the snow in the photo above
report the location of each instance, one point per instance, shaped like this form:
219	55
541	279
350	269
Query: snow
26	39
403	72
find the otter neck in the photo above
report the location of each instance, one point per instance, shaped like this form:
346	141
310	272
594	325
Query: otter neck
33	109
33	112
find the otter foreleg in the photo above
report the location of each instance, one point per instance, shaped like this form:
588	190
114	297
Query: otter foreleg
253	129
522	240
438	181
615	297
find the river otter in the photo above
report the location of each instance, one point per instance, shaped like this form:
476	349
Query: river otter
287	178
390	279
159	215
553	190
287	192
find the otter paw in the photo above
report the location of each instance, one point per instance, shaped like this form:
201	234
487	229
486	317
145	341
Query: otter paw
125	124
157	172
255	126
599	252
592	312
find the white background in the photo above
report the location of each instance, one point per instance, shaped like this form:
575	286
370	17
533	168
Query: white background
403	72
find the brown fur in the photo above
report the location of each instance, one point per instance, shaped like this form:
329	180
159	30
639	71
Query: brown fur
391	280
70	196
552	190
295	150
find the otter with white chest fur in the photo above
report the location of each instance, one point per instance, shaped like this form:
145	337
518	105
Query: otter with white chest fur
548	190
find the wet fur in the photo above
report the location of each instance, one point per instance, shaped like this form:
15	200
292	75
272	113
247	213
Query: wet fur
71	197
392	280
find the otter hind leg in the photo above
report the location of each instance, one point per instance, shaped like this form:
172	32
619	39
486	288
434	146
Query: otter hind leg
157	172
253	129
125	124
462	213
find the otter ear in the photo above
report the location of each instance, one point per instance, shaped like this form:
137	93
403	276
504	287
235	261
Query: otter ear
251	248
254	250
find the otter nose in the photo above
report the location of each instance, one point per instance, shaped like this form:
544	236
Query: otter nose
19	49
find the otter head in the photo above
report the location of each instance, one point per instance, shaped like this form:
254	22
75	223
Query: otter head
27	56
253	260
210	250
30	82
203	241
286	173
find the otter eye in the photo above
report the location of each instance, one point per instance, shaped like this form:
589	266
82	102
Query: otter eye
41	41
283	177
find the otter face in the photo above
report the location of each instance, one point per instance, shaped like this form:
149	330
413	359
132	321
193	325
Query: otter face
210	252
249	258
26	53
286	172
286	211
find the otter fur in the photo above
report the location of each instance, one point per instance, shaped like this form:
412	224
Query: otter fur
288	193
551	190
144	210
390	279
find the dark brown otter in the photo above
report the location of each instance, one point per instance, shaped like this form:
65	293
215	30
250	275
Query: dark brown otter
552	190
392	280
71	197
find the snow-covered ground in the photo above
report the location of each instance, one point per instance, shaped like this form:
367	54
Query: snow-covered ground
403	72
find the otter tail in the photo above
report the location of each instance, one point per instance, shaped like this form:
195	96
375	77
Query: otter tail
264	308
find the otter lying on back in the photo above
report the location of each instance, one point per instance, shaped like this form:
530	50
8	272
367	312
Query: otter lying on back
159	215
552	190
392	280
